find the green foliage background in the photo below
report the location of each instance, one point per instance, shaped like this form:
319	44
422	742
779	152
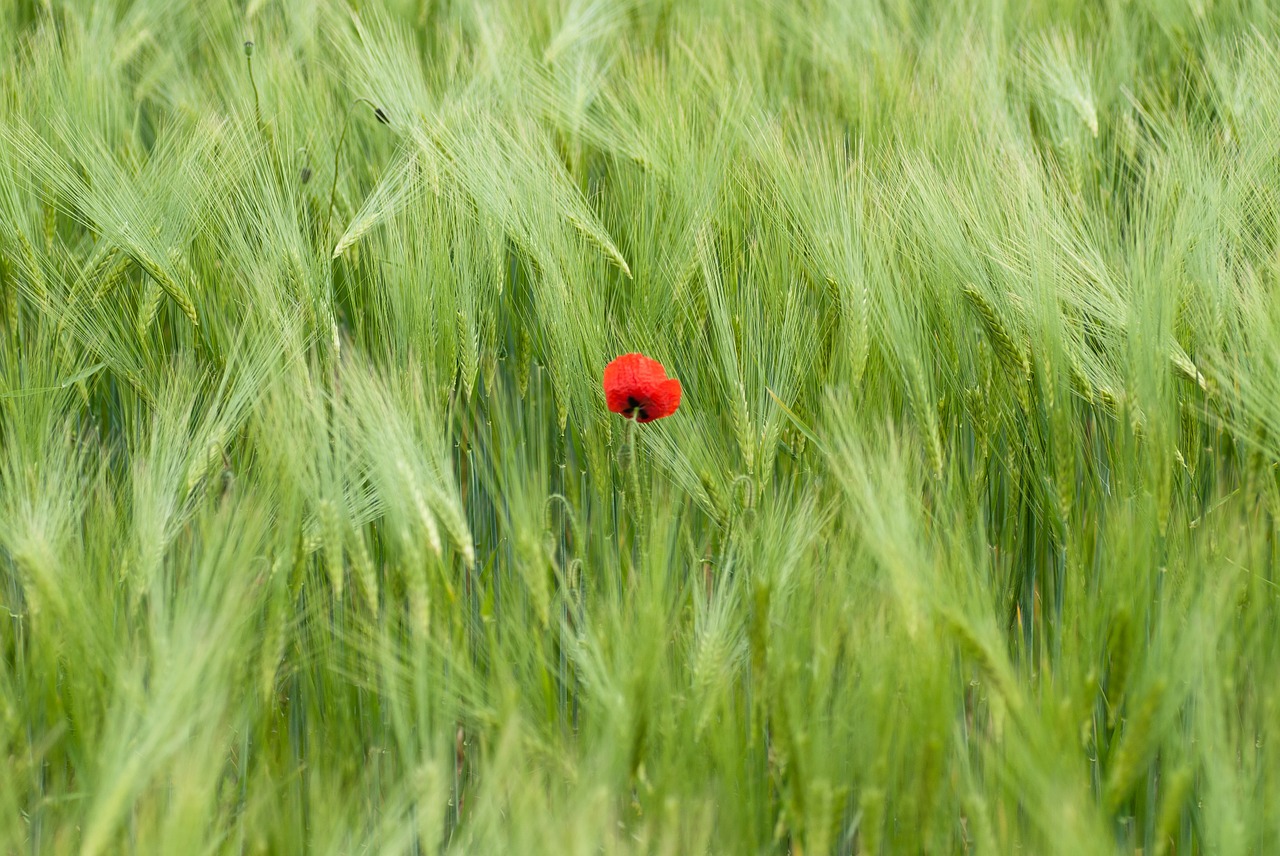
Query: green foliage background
316	534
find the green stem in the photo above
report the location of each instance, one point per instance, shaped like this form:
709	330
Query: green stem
248	58
634	473
337	154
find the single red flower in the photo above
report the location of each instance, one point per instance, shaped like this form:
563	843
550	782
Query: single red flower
638	387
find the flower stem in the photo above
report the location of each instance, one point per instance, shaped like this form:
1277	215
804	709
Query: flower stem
634	474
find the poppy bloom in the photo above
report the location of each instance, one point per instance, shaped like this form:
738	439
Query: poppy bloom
638	388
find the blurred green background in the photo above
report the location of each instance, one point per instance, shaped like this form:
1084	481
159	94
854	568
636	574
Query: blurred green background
316	534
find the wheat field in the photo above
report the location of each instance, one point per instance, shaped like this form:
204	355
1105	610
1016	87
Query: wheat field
317	535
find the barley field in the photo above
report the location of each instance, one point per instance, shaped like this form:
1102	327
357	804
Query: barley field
318	533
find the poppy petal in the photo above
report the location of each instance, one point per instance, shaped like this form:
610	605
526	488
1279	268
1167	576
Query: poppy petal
664	399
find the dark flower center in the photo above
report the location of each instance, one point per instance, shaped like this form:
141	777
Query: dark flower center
635	408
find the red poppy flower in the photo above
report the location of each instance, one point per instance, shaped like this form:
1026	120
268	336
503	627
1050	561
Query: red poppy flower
638	387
